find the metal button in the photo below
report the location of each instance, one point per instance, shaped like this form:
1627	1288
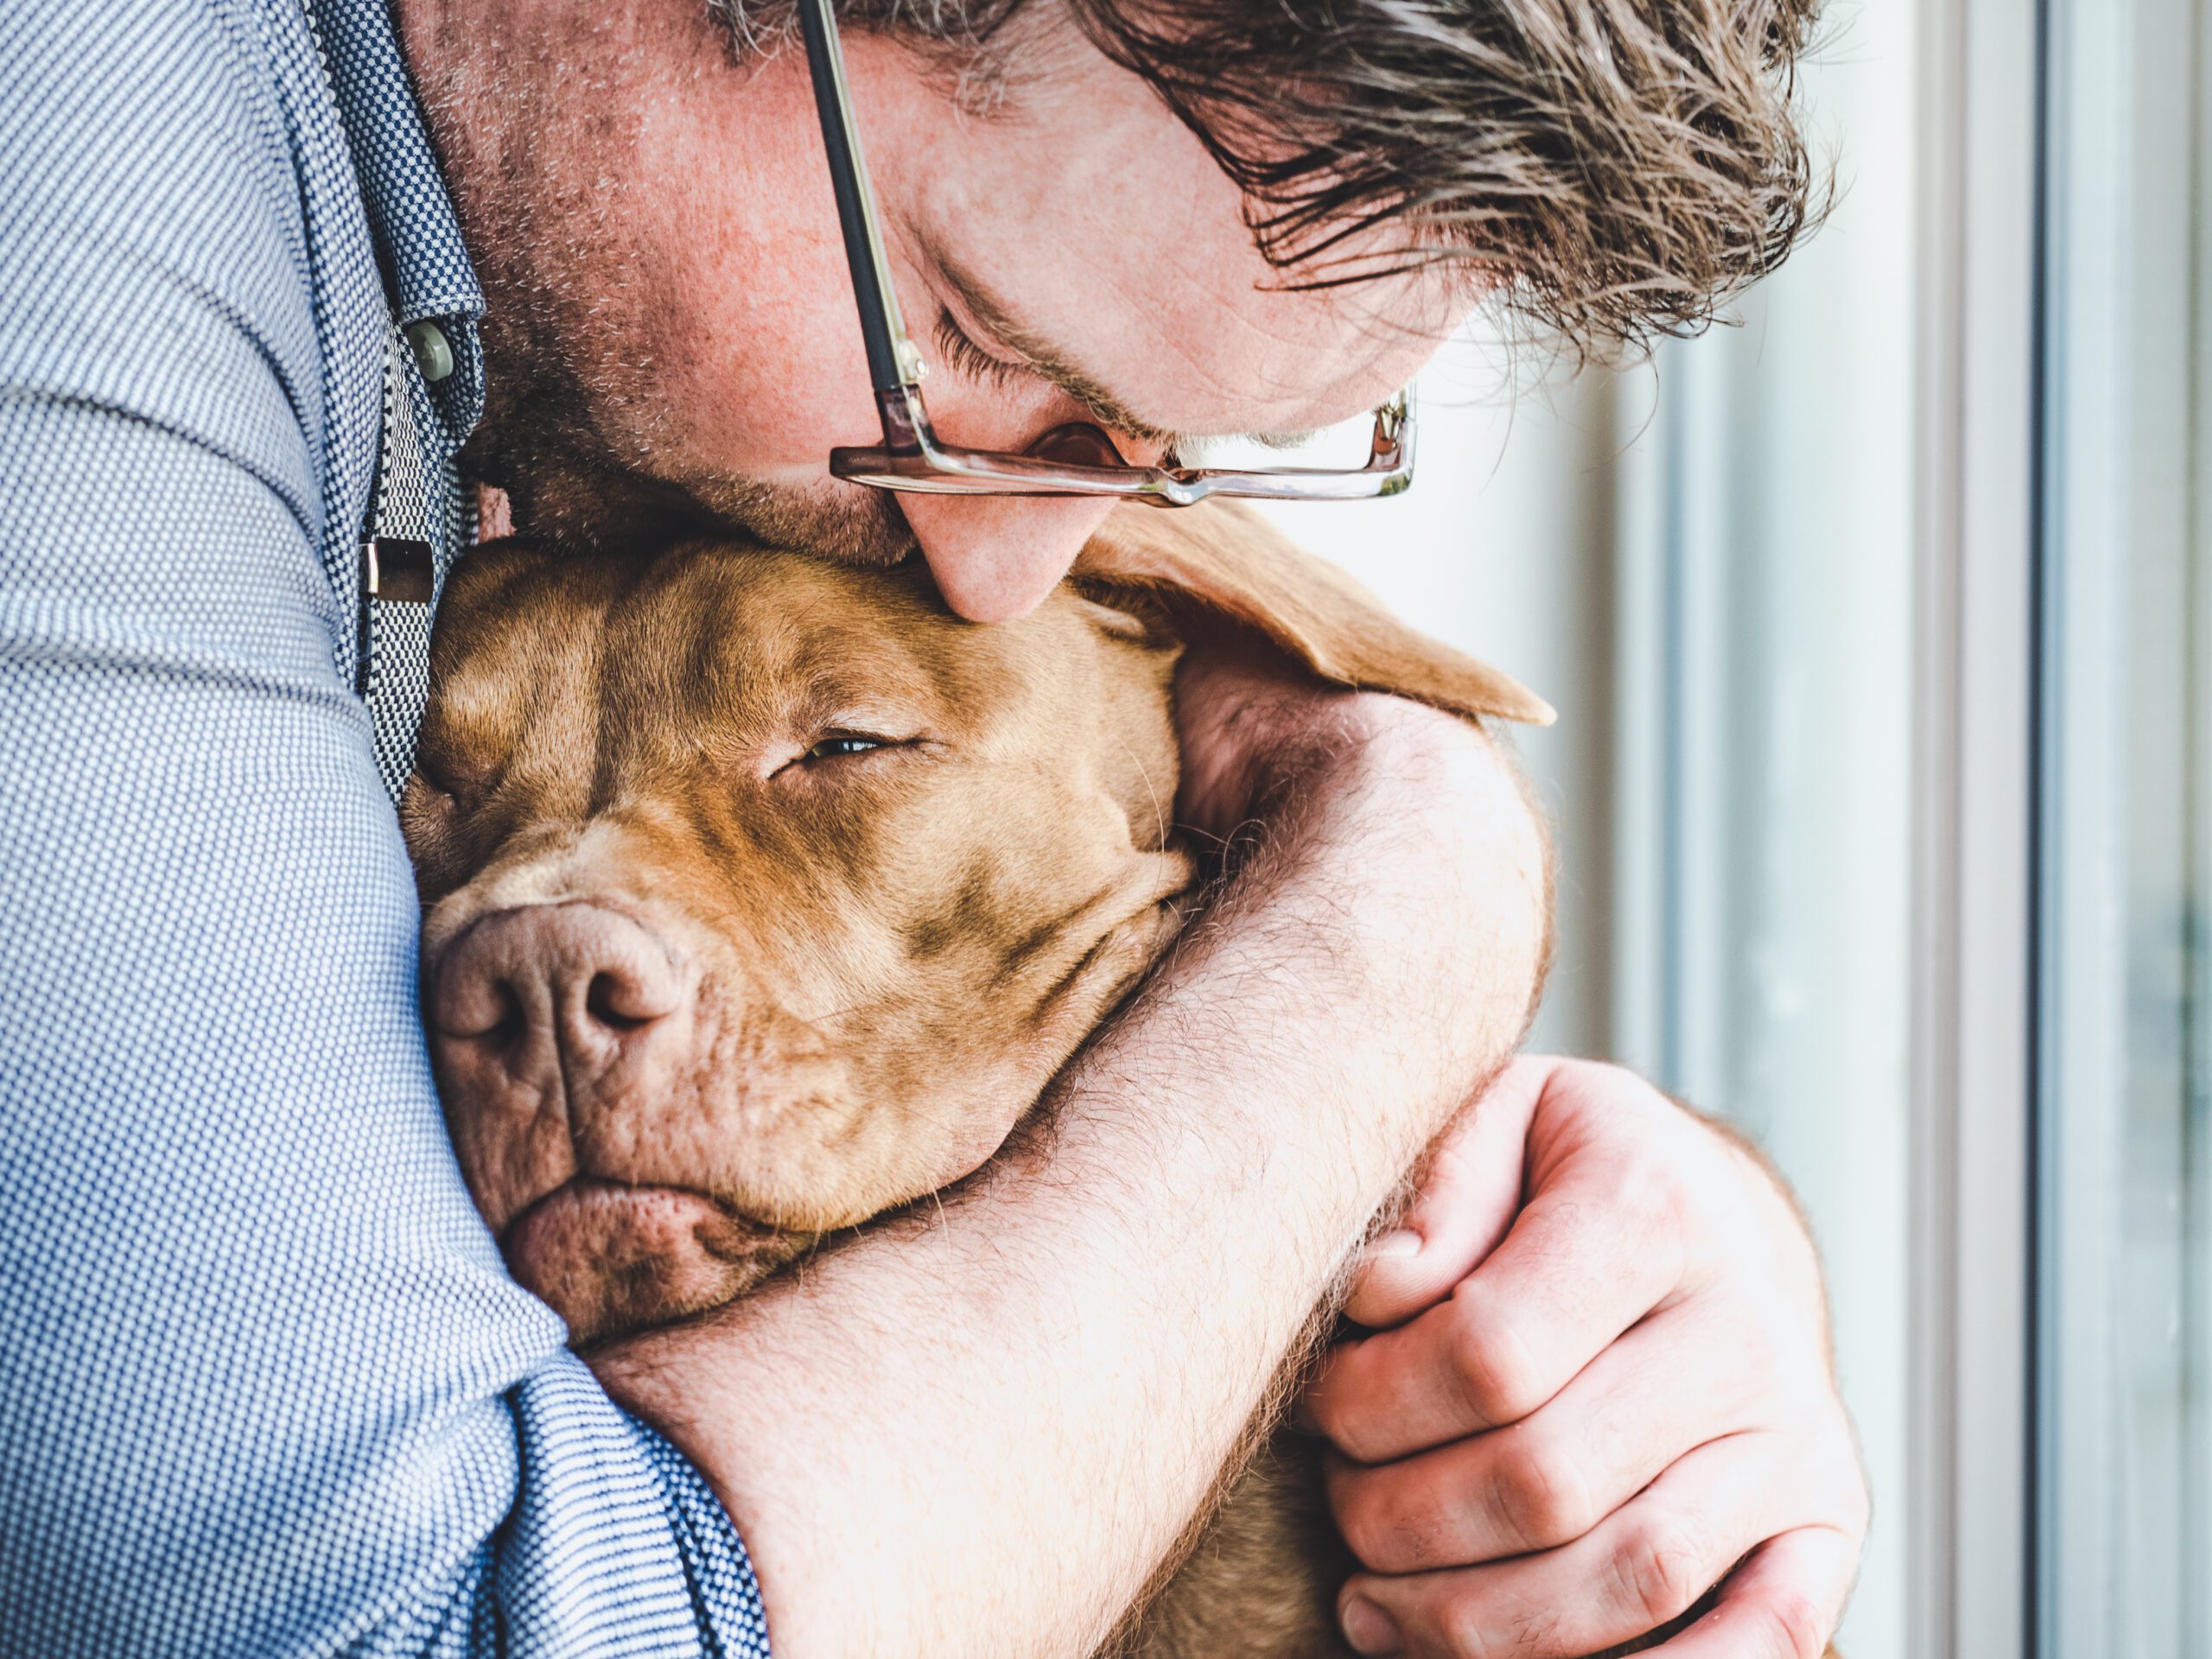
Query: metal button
432	354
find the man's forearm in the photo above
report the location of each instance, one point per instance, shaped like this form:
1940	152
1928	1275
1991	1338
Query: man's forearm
977	1430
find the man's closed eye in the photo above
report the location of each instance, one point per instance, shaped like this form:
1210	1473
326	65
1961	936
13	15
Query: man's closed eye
963	356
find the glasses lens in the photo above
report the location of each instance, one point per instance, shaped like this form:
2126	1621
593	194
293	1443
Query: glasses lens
1343	447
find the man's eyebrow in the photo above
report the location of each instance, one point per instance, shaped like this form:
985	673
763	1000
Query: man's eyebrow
1042	357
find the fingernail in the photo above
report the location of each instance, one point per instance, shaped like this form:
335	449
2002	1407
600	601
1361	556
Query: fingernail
1401	1242
1368	1629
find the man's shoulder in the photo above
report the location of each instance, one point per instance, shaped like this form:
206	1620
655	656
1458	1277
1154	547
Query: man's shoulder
180	230
146	116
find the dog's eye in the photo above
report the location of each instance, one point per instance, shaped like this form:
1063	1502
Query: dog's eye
845	743
834	752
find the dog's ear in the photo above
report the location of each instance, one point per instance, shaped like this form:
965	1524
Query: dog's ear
1227	559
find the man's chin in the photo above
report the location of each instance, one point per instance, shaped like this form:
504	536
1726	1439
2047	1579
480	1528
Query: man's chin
580	503
847	522
612	1259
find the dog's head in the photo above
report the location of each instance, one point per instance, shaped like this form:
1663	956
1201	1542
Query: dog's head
763	895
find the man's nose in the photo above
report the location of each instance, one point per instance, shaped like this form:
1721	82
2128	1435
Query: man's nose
542	1015
996	557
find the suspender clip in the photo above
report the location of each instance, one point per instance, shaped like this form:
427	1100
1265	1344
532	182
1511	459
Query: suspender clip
396	570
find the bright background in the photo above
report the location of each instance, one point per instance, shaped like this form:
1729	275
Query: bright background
1878	629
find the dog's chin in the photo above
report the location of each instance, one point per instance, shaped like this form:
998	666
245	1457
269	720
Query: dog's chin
612	1259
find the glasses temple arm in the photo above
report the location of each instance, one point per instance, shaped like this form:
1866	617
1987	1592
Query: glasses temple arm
891	360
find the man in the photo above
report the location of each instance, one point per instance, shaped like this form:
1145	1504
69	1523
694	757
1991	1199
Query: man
266	1387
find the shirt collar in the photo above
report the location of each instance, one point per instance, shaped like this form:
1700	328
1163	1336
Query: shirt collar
409	212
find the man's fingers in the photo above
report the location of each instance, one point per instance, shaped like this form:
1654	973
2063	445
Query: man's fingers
1549	1479
1646	1564
1467	1199
1783	1602
1584	1260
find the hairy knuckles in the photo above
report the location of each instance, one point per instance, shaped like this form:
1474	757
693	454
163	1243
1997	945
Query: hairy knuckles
1666	1562
1500	1378
1472	1625
1341	1413
1366	1517
1542	1494
1371	1424
1465	1626
1791	1624
1397	1520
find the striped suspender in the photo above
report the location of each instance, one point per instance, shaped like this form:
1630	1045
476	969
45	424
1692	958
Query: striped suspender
400	570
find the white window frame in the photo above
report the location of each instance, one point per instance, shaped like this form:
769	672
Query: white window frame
1970	1588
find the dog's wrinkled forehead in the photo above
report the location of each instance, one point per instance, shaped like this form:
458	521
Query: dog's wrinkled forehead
564	686
711	639
762	643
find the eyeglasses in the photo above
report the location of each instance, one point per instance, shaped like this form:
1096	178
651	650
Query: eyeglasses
1073	460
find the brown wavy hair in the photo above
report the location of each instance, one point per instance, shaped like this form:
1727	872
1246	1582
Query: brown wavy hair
1612	169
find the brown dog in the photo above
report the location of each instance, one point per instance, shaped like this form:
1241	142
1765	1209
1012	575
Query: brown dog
763	895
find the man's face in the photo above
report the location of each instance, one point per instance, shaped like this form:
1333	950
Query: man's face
673	327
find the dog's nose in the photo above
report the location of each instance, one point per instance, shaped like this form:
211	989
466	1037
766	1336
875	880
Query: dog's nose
551	999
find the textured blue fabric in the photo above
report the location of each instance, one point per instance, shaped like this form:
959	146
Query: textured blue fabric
264	1385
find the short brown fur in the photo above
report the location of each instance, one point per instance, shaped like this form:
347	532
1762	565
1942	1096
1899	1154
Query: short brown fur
878	960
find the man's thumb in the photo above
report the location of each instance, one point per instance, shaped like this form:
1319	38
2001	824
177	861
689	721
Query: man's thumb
1467	1198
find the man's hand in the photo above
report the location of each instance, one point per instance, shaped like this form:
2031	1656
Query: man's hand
1601	1385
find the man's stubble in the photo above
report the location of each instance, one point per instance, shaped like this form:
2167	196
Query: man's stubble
587	461
572	432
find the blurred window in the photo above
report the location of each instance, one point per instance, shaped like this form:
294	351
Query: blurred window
2124	1056
1880	630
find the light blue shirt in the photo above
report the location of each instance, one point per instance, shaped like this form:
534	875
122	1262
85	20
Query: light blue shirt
264	1385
